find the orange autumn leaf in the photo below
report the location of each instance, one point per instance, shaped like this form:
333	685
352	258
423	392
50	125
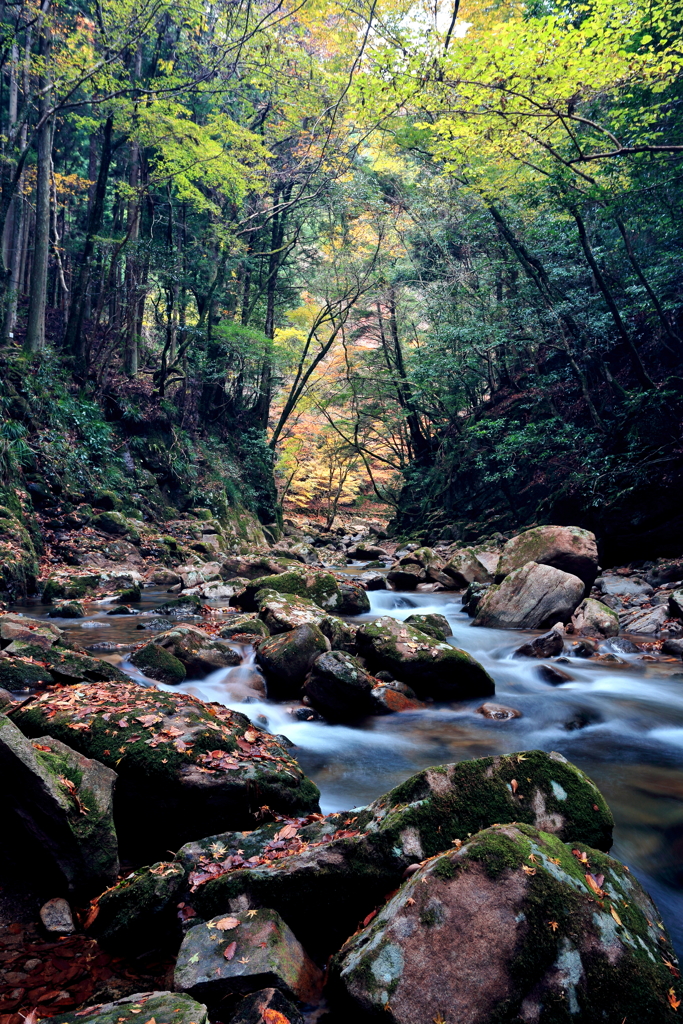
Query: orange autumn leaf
593	884
554	925
527	870
674	1003
275	1017
615	915
674	970
514	785
226	924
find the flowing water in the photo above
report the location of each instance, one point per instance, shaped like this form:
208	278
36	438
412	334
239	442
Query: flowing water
621	722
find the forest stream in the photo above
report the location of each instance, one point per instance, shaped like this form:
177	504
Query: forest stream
621	722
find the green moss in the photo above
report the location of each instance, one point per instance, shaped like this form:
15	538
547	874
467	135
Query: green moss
132	594
52	589
444	868
497	853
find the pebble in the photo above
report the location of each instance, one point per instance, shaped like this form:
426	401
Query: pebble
56	917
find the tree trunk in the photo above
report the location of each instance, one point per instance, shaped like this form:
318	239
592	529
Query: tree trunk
35	331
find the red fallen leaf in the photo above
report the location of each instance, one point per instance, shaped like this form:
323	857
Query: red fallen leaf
246	747
514	785
581	857
274	1017
286	832
91	916
230	951
226	924
368	919
593	884
40	746
147	720
674	1003
251	736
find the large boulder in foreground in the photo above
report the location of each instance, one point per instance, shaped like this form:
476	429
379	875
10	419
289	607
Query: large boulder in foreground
184	766
167	1007
64	803
433	668
568	548
241	953
513	926
324	875
532	597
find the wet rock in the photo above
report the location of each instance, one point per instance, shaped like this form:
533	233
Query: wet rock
324	876
471	599
179	607
431	667
553	674
67	610
154	623
568	548
621	587
165	1007
406	577
671	647
36	631
524	933
371	580
140	913
281	613
623	646
56	917
676	603
465	568
159	664
436	626
595	618
388	699
548	645
498	712
198	652
531	597
355	601
64	804
129	595
17	675
122	609
286	659
62	665
315	584
339	687
164	578
183	765
241	625
368	552
235	954
196	575
583	648
254	1009
426	558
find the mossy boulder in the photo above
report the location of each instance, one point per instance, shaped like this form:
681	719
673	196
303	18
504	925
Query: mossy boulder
355	600
129	596
316	585
117	525
568	548
19	545
436	626
67	610
248	624
178	607
26	663
426	558
532	597
184	766
198	652
595	619
241	953
281	613
285	659
406	577
140	913
326	875
17	675
511	927
58	805
19	627
339	687
159	664
464	568
165	1007
431	667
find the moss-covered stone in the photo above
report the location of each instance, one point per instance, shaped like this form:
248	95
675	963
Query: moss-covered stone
61	665
568	548
67	610
243	625
532	934
197	652
65	802
331	874
118	525
286	659
436	626
431	667
339	687
316	585
166	1007
129	596
159	664
140	912
17	674
184	766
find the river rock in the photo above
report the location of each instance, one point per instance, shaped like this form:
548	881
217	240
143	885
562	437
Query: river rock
426	558
498	712
471	599
622	645
464	568
198	652
368	553
530	598
548	645
325	875
339	687
238	953
281	613
63	665
165	1007
239	626
263	1005
56	917
532	934
355	601
593	617
431	667
67	610
436	626
617	588
286	659
140	913
676	603
568	548
159	664
317	585
554	675
183	765
64	803
387	699
406	577
644	620
674	647
37	631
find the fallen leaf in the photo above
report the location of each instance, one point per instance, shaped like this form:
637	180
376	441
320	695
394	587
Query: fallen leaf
532	858
226	924
194	959
274	1017
528	871
91	916
39	746
286	832
244	960
32	1017
514	785
230	950
615	915
673	1002
674	970
554	925
554	860
368	919
410	902
581	857
593	884
251	736
252	913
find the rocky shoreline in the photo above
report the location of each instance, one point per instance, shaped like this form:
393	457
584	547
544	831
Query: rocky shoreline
178	848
